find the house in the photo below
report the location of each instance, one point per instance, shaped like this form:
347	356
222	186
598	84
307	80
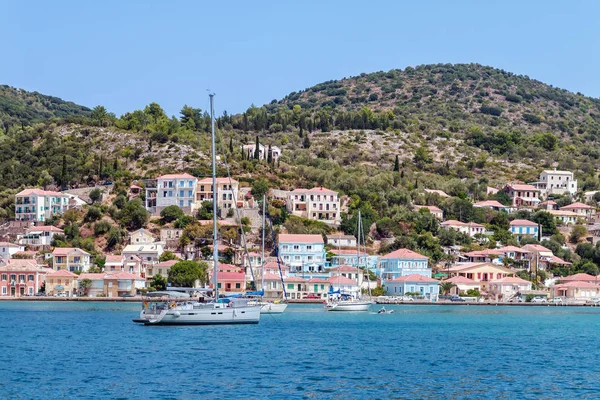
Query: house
302	253
147	253
518	254
61	281
435	211
162	269
490	191
318	203
564	217
134	191
71	259
413	283
403	262
39	205
171	190
231	279
462	284
7	250
522	195
112	284
483	273
141	236
344	285
548	205
492	205
542	258
21	278
252	259
353	257
523	228
227	193
263	151
348	272
588	197
582	210
553	182
273	287
341	240
486	255
41	235
509	287
468	228
274	268
170	237
577	290
295	287
440	193
114	263
318	286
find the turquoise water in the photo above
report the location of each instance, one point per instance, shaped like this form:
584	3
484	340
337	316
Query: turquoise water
93	350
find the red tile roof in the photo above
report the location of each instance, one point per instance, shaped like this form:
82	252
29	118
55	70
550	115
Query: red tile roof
289	238
39	192
45	228
512	279
577	284
271	277
581	277
114	259
522	222
231	276
318	280
577	206
405	254
321	190
176	176
461	280
414	278
430	208
489	203
292	279
121	276
169	263
274	265
344	268
63	251
219	180
62	273
522	187
341	280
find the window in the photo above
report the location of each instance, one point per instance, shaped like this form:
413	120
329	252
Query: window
219	285
237	286
180	203
4	276
13	277
4	290
30	290
190	183
181	193
309	248
290	286
296	248
170	193
190	193
30	278
479	275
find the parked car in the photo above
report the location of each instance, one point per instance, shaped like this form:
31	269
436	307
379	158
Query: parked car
407	298
457	298
40	294
538	300
128	295
444	297
61	294
558	300
312	296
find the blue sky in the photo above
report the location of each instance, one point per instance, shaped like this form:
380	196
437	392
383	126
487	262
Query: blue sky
126	54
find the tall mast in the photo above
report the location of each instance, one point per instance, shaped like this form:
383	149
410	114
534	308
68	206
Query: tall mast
262	257
214	184
358	229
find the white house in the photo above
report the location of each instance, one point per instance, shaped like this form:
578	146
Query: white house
302	253
263	151
468	228
71	259
414	283
553	182
344	285
227	193
148	253
565	217
171	190
8	249
523	228
39	205
509	286
318	203
582	210
436	211
341	240
40	235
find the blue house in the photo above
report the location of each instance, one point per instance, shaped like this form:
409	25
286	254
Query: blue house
304	254
523	228
351	257
414	283
403	262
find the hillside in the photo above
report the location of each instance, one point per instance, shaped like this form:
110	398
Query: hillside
21	106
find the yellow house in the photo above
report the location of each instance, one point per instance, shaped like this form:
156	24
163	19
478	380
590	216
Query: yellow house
483	273
61	281
70	259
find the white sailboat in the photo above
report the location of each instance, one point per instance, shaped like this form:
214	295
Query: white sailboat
174	311
345	303
267	307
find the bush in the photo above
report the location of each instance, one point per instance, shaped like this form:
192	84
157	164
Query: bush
101	227
495	111
93	214
171	213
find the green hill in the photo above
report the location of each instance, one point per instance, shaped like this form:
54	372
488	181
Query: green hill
17	105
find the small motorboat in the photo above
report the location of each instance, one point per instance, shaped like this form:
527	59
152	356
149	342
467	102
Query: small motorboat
384	311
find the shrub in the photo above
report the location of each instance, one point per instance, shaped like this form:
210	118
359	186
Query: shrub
101	227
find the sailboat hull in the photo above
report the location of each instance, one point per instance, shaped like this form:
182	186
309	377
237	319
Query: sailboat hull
273	308
353	306
204	316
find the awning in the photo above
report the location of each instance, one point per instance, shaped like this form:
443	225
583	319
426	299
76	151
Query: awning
529	199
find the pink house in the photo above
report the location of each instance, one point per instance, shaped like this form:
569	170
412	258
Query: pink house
21	277
522	195
468	228
582	210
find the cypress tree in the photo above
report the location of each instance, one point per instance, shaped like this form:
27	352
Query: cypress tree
63	173
100	167
396	164
257	149
270	156
231	145
402	174
306	142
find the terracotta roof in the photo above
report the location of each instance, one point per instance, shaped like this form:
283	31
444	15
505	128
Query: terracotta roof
122	276
341	280
289	238
581	277
577	206
8	244
405	253
414	278
318	280
467	266
514	249
169	263
558	260
44	228
93	277
321	190
39	192
23	265
538	247
219	180
577	284
114	259
461	280
62	273
522	186
63	251
561	212
346	252
274	265
522	222
453	222
291	279
511	279
271	277
489	203
344	268
176	176
231	276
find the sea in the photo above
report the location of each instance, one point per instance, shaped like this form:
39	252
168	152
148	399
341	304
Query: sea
93	350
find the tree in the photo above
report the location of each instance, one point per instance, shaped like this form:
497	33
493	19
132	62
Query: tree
99	115
306	142
397	164
259	188
546	220
158	282
446	286
270	156
63	173
231	145
422	157
93	214
186	273
95	195
45	179
577	233
167	256
257	149
85	285
171	213
114	237
133	215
